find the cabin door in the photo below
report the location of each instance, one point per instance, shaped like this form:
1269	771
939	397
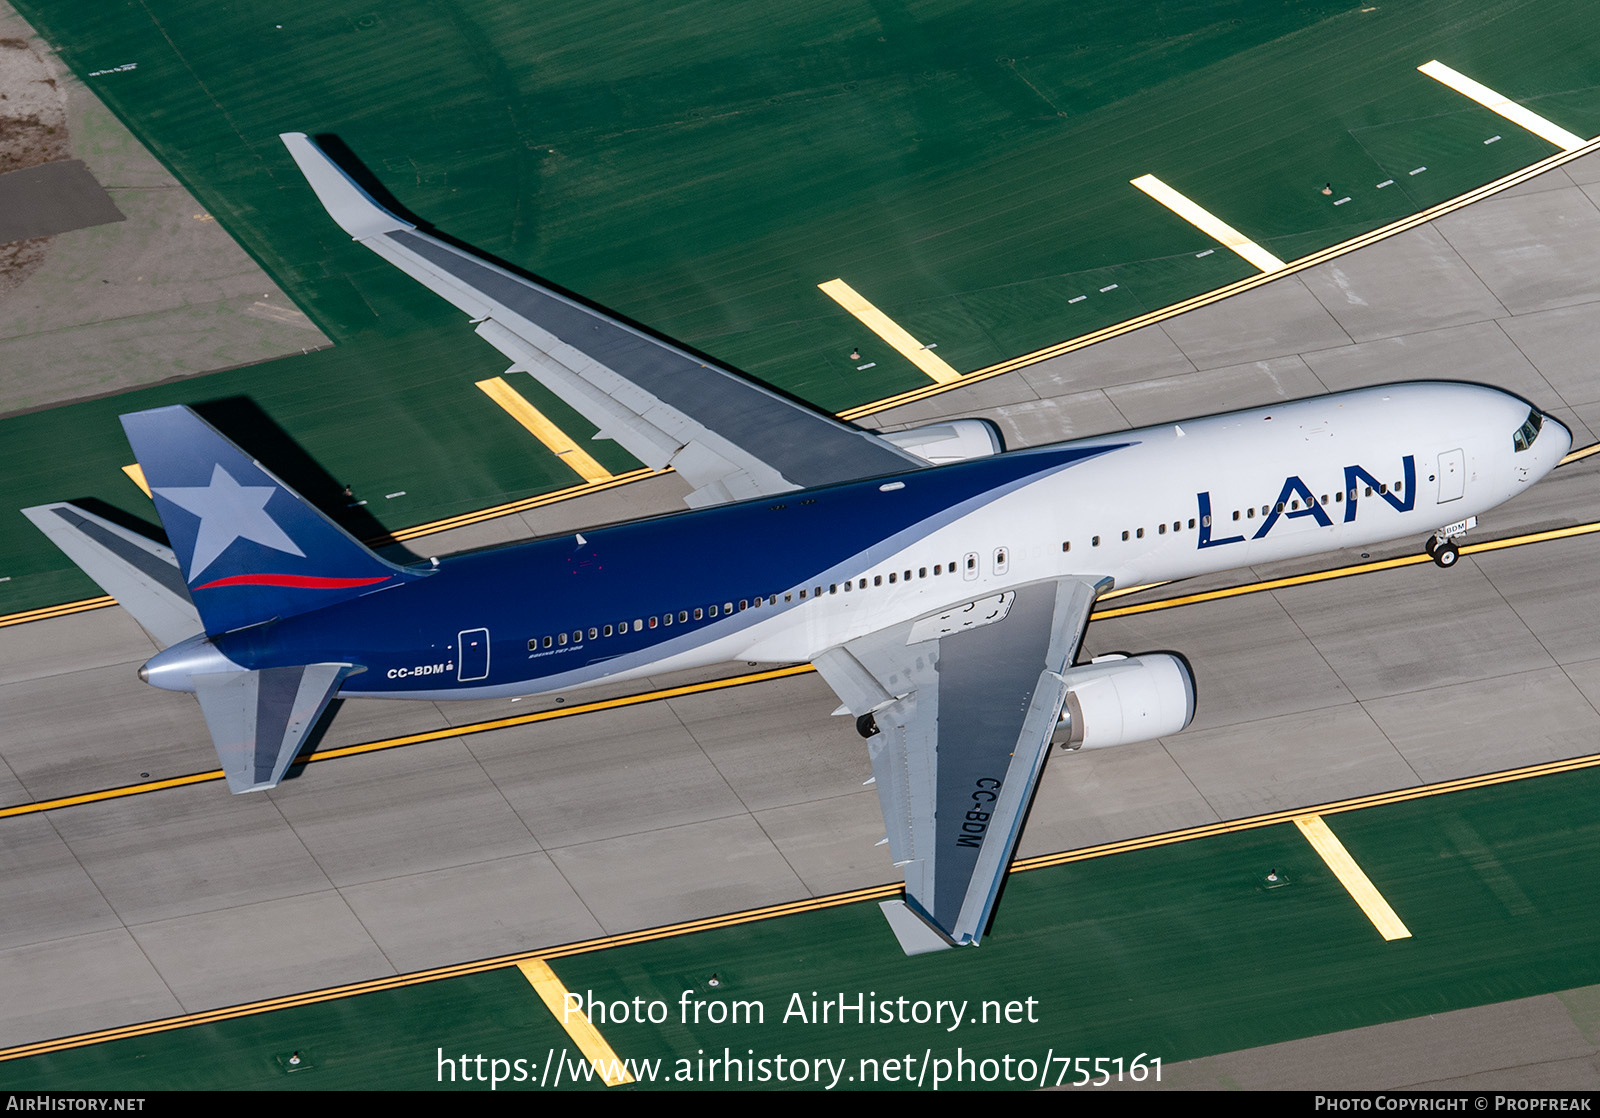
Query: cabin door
1452	475
472	655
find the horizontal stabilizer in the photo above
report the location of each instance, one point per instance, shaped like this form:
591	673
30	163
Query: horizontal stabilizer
259	720
140	574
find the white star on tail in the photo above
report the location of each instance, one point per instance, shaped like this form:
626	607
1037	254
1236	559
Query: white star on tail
228	511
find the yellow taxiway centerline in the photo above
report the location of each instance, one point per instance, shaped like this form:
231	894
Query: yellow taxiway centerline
1208	223
791	908
1506	107
791	670
1350	875
890	331
557	441
553	992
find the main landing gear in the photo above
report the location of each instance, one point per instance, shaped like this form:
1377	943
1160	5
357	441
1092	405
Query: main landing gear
1445	551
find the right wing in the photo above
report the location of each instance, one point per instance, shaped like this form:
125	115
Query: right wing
965	702
730	438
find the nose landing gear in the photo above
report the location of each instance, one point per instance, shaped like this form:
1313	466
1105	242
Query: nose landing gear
1444	552
1443	545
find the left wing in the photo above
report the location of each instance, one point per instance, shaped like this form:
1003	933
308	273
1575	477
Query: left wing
965	702
730	438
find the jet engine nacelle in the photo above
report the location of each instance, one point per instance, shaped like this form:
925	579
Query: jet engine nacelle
1114	700
955	441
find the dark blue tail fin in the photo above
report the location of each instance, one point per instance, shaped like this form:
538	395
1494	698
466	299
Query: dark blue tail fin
250	548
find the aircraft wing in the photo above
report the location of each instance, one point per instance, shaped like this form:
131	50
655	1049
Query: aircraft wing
730	438
965	702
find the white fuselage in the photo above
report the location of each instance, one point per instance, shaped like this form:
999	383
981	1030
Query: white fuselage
1162	503
1136	515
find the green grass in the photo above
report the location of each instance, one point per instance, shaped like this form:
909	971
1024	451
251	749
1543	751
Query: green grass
702	167
1178	952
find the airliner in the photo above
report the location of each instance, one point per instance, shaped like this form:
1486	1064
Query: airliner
939	583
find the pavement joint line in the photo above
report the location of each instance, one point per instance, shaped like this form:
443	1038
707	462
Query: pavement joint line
890	331
791	908
537	424
1208	223
1350	875
553	992
1332	252
1496	103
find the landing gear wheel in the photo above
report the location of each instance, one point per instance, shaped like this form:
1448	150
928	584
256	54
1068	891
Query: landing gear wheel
867	726
1431	544
1446	554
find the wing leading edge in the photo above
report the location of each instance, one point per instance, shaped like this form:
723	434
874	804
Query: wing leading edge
965	703
730	438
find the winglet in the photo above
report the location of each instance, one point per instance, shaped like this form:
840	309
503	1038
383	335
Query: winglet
349	205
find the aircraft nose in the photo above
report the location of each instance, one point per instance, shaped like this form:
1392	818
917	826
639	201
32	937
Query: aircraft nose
1561	441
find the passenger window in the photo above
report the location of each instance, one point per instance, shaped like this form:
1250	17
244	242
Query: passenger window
1094	541
637	624
922	572
609	630
891	577
1280	506
666	619
1124	536
699	614
1139	533
1235	516
1161	530
938	568
561	638
877	580
593	633
533	644
1208	520
654	621
861	584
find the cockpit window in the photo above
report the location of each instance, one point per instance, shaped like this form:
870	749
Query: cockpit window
1529	431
